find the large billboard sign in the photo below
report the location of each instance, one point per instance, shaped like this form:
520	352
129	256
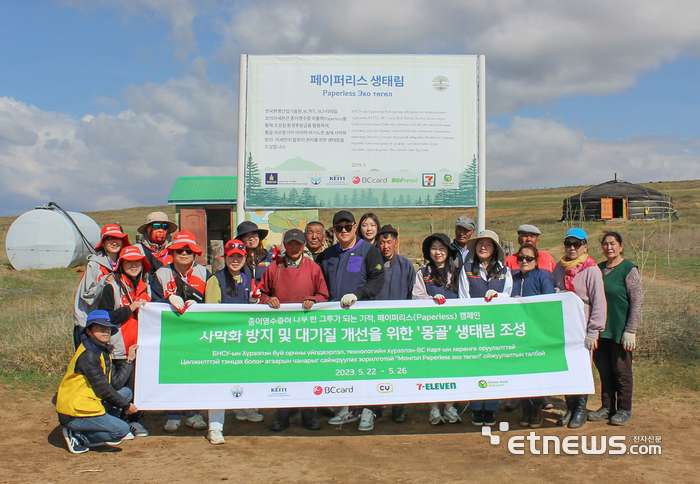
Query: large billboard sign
360	131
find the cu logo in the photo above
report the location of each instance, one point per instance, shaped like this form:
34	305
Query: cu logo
318	390
385	388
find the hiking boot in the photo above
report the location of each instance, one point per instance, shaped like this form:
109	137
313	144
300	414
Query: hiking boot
216	437
281	420
525	417
535	416
308	421
579	412
249	414
172	425
196	422
489	417
451	415
367	420
138	430
478	417
601	414
621	417
75	446
435	417
345	415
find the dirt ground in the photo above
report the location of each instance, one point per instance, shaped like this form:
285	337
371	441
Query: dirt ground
33	450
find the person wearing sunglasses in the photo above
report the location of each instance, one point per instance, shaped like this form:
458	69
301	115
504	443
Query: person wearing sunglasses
181	283
353	270
578	272
98	273
530	280
230	285
156	238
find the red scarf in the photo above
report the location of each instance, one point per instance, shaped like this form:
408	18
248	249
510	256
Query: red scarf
570	272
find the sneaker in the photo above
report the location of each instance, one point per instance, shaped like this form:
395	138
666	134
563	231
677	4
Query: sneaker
172	425
451	415
138	430
114	443
478	417
74	445
250	414
128	436
345	415
621	417
216	437
601	414
196	422
435	417
367	420
547	405
489	417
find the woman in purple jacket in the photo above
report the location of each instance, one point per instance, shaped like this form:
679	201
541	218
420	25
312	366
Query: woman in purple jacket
579	273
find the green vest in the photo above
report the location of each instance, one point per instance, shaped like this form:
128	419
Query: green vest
617	298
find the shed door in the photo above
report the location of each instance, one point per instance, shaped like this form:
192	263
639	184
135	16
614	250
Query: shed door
606	208
195	220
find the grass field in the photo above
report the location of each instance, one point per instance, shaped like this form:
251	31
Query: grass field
36	306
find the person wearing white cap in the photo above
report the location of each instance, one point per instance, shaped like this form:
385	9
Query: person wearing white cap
486	277
529	234
464	229
157	231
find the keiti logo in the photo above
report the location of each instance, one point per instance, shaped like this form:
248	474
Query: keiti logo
237	391
315	178
270	178
356	180
278	391
318	390
437	386
385	388
428	179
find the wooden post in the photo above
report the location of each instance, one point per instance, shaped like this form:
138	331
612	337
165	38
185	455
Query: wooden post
216	250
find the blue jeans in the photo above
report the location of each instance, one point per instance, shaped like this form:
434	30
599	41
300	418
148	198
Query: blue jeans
488	405
95	431
177	414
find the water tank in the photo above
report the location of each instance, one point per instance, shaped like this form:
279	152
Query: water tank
45	238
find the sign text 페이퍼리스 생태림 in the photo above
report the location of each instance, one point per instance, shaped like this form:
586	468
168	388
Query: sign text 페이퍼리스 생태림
229	356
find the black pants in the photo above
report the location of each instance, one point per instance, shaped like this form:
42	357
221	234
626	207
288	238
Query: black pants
615	367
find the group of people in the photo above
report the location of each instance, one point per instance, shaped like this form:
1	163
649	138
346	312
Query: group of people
94	400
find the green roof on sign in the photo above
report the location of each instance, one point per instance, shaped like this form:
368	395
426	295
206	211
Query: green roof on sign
201	189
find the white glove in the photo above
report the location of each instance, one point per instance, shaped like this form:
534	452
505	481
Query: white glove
190	303
591	343
439	298
177	302
490	294
629	341
348	300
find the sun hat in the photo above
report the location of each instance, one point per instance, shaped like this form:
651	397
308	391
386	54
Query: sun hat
234	246
101	317
157	217
388	229
576	233
294	234
432	238
134	252
465	222
248	227
112	230
528	229
184	239
343	215
487	234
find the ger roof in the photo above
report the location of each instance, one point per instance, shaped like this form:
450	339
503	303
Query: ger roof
203	189
619	188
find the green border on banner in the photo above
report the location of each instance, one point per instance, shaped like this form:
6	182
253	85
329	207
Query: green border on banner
361	344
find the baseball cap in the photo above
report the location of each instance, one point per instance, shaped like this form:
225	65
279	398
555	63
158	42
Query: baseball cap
528	229
134	252
184	239
465	222
234	246
294	235
576	233
343	215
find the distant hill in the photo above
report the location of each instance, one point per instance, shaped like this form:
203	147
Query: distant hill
297	164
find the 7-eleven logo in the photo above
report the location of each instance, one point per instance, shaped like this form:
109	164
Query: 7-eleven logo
428	179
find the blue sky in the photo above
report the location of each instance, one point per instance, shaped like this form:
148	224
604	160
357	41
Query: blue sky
97	92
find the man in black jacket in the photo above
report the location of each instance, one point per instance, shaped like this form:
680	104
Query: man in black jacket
92	394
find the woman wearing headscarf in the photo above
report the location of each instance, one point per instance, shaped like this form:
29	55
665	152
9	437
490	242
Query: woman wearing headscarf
577	272
613	357
437	280
98	273
485	276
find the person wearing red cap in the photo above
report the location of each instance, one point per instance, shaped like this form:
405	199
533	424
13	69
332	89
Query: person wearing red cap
97	275
181	283
229	286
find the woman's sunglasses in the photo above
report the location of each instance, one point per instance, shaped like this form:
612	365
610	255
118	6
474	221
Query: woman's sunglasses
235	246
343	228
160	226
576	244
184	251
522	258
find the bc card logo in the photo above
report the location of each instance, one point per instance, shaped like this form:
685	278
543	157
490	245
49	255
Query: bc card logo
318	390
237	391
428	179
270	178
